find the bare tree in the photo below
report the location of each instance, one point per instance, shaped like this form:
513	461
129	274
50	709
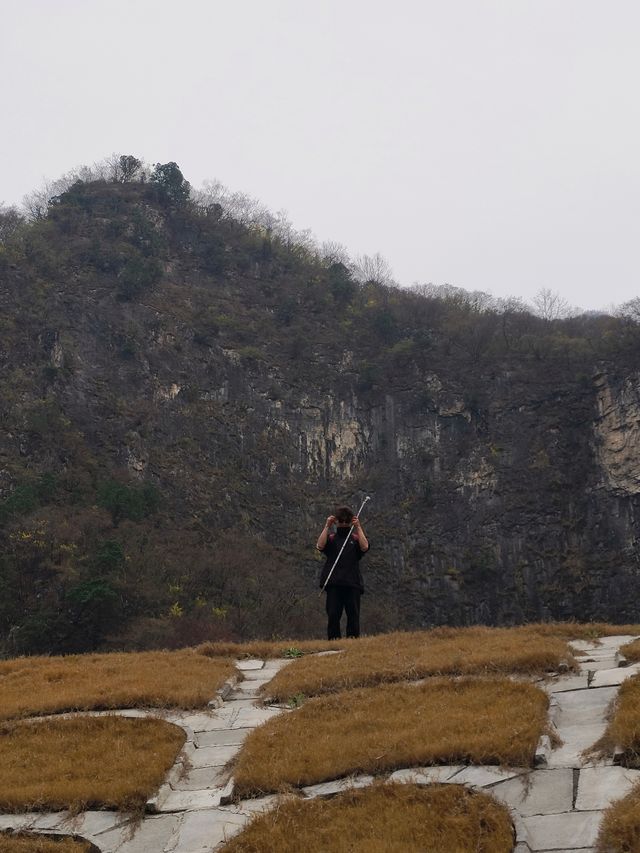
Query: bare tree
36	203
372	268
476	300
630	310
550	305
334	253
10	221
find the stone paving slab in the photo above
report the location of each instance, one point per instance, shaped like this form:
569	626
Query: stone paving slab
587	705
615	676
327	789
251	686
276	664
202	722
87	824
605	654
253	717
580	723
567	683
537	792
256	675
584	645
251	807
235	704
235	716
183	801
482	777
201	779
596	666
211	756
18	821
598	787
221	737
113	841
202	831
155	834
575	740
568	831
246	665
617	640
426	775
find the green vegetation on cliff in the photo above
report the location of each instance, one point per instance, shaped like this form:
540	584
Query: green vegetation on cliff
184	395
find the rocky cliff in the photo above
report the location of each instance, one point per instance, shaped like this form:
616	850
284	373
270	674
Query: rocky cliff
183	400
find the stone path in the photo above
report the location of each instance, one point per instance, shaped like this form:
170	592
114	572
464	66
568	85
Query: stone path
556	807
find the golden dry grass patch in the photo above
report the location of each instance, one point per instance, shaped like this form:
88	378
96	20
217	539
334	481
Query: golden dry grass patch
582	630
380	819
623	729
620	827
269	649
373	730
32	686
631	651
33	843
405	656
78	763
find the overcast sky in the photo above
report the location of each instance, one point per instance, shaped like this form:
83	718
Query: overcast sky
490	145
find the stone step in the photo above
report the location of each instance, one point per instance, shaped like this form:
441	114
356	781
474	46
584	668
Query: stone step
614	676
566	831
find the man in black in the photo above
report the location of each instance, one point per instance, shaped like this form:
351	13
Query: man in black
345	585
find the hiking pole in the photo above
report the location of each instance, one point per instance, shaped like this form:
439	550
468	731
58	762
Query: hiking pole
343	544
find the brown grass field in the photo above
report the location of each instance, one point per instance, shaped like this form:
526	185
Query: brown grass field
620	828
624	726
631	651
373	730
32	686
419	654
380	819
25	843
266	649
80	763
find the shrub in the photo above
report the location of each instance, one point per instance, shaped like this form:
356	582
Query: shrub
138	275
132	502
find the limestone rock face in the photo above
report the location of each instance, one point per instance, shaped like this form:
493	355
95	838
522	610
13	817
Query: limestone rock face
165	349
617	431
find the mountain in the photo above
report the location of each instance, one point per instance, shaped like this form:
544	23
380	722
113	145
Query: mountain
184	398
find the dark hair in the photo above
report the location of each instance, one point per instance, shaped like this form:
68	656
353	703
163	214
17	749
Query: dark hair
343	515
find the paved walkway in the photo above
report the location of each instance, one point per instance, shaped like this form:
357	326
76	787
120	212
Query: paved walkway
557	807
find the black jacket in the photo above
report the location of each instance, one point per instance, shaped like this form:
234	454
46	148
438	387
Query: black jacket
347	572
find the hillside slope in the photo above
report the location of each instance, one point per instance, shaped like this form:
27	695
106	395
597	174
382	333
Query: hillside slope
183	399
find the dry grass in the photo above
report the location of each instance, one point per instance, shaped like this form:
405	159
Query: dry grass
265	649
620	828
373	730
25	843
409	656
380	819
624	726
80	763
582	630
268	649
631	651
48	685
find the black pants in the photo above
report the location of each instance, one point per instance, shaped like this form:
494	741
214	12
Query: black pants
341	598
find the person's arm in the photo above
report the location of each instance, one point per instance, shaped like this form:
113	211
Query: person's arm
362	537
322	539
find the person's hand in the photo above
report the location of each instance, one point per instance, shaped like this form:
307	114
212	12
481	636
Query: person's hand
330	521
355	521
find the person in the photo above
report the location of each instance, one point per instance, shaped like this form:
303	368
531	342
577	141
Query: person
345	584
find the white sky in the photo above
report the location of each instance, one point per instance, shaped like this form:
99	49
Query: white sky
490	144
